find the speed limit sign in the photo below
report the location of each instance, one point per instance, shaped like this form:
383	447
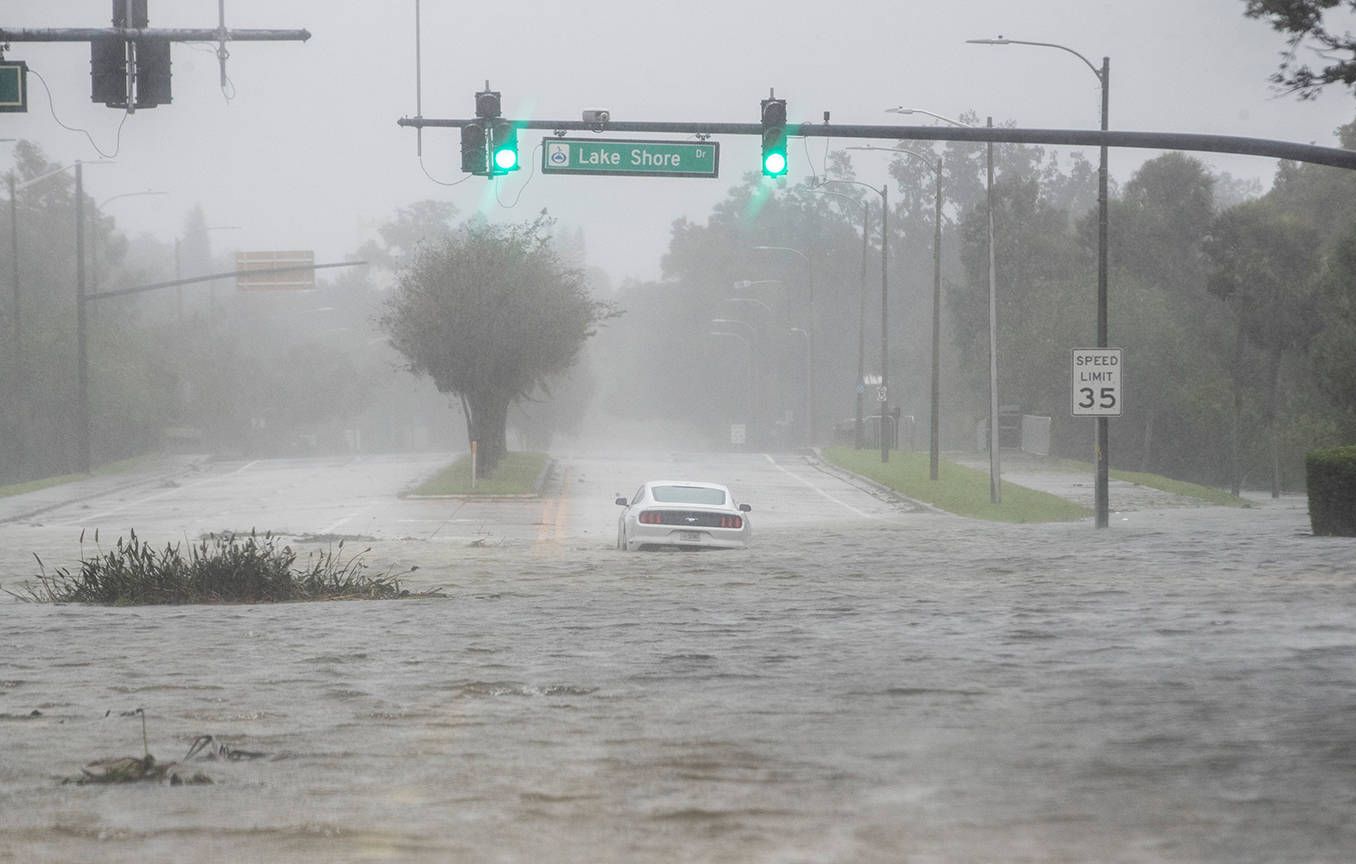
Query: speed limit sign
1098	382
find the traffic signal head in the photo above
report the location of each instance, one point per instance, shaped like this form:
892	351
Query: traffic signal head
139	20
774	138
108	72
487	104
503	148
474	159
153	73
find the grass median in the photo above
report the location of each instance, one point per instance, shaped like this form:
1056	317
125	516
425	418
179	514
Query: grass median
516	474
124	466
960	490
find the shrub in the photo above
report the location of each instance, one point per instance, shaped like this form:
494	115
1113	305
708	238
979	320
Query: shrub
1331	479
220	568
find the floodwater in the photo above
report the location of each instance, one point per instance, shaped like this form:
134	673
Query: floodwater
919	688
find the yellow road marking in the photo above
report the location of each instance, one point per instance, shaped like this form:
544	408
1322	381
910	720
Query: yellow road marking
554	520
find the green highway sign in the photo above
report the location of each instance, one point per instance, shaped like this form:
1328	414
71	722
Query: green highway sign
13	87
630	158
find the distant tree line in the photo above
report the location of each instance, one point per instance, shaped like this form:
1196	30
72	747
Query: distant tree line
1234	308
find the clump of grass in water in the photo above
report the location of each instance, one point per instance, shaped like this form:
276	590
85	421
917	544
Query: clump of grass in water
131	769
220	568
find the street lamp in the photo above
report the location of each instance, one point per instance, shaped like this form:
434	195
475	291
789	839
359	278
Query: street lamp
727	325
884	392
178	289
753	354
810	329
82	366
858	438
1104	78
934	438
94	236
995	460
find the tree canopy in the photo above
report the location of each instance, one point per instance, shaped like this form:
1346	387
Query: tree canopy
490	314
1305	24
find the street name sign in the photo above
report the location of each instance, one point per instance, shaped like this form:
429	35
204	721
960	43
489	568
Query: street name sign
1098	382
619	158
13	86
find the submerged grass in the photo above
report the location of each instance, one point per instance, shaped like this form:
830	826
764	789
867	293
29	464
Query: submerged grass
514	475
220	568
957	489
1208	494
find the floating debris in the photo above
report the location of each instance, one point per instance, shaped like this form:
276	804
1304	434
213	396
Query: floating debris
130	769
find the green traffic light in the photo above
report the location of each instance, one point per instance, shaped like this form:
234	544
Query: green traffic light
774	164
506	159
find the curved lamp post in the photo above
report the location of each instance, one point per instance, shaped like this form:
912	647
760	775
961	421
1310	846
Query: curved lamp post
94	235
1104	78
995	460
858	438
748	343
884	193
934	431
810	330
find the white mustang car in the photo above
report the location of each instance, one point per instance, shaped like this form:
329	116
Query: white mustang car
679	513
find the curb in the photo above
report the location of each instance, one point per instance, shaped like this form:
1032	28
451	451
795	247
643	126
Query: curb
537	486
816	458
144	480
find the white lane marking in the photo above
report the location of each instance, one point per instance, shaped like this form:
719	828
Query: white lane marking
90	518
844	504
329	529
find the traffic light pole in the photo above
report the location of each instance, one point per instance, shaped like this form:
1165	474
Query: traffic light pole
1270	148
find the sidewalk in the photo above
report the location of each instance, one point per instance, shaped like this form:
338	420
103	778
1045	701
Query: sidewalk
14	508
1039	473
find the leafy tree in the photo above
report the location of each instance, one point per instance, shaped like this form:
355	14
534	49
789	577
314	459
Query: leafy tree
1306	25
490	314
1168	324
1265	265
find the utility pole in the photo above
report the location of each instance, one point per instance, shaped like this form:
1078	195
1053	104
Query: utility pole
83	460
15	341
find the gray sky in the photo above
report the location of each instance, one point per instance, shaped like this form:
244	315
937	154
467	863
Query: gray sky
308	154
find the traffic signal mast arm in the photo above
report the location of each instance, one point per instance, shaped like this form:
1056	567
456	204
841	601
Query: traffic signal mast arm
172	34
1332	156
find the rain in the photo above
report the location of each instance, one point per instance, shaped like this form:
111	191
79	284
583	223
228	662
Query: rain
591	432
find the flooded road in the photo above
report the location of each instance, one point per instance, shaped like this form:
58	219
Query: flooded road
871	682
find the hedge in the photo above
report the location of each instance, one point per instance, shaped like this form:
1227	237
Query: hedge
1331	478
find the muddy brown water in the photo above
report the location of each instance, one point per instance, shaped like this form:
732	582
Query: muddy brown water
921	689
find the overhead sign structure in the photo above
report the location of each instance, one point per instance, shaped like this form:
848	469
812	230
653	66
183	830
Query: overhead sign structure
277	271
1098	382
630	158
13	87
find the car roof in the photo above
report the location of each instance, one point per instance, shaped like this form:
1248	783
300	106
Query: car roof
697	484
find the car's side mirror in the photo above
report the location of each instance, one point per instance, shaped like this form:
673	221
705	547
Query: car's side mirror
745	508
620	501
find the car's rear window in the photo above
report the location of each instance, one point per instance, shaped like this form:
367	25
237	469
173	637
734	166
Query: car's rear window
688	495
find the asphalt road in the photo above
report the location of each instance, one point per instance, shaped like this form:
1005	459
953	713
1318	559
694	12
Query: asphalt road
321	499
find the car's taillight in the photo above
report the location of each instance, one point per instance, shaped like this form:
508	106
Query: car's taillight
732	522
651	517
